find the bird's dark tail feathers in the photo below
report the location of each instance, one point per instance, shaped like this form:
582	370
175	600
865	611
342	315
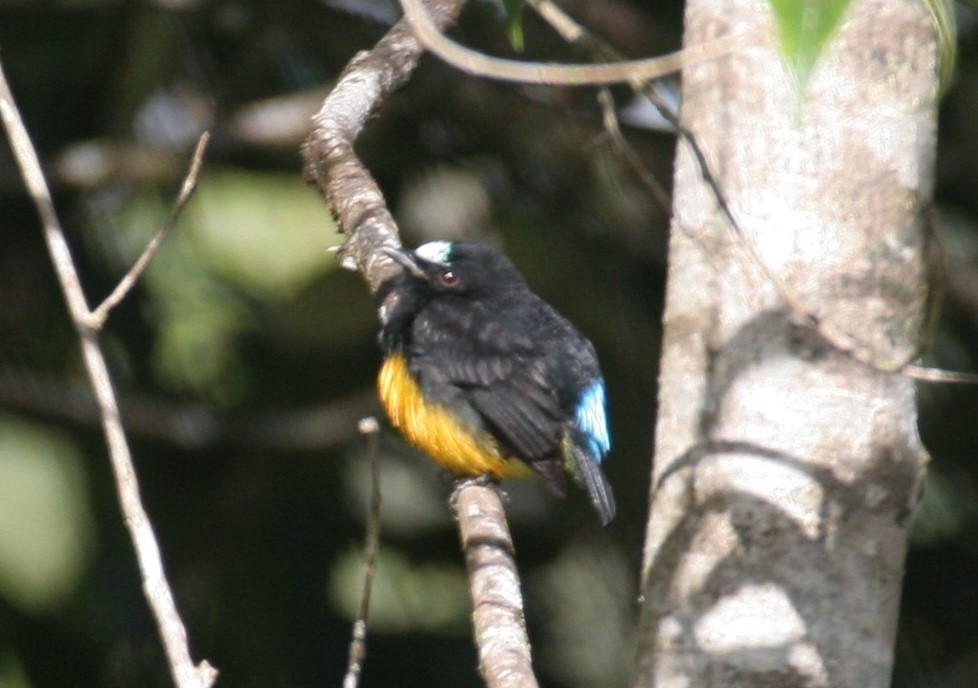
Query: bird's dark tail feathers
589	474
552	472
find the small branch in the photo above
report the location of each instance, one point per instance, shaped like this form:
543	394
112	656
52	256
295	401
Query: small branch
500	629
155	586
480	64
621	146
927	374
97	318
369	428
195	427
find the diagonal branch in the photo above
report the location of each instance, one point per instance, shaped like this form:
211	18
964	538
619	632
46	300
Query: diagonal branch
332	165
155	586
359	207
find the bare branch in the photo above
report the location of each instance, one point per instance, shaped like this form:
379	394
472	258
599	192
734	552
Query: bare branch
927	374
97	318
480	64
350	190
500	629
155	586
356	201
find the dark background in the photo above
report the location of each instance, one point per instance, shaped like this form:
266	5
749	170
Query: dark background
245	355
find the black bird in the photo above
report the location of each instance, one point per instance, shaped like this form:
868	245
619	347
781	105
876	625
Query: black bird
486	377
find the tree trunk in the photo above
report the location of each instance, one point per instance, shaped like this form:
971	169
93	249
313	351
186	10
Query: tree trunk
787	460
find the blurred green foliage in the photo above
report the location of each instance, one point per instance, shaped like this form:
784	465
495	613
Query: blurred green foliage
46	523
407	597
249	240
244	329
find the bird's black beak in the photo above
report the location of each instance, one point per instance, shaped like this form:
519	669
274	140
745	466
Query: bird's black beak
405	259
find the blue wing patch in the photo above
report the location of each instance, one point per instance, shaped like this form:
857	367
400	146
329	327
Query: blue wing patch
591	420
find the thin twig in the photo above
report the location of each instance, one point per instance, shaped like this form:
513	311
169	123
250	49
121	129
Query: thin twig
370	429
155	586
609	119
480	64
927	374
97	318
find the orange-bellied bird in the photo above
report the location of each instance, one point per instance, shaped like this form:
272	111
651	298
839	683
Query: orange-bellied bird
485	377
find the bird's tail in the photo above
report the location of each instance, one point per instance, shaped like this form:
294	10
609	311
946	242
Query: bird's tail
586	470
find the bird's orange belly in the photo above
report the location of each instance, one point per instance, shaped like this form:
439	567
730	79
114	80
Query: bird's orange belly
431	428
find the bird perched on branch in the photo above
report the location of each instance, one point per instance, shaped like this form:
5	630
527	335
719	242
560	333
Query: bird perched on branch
487	378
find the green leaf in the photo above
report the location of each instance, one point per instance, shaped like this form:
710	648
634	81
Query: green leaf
514	23
804	28
942	12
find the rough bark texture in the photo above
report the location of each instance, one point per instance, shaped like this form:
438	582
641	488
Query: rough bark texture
497	603
786	471
331	163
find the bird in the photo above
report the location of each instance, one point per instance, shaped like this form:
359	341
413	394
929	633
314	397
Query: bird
485	377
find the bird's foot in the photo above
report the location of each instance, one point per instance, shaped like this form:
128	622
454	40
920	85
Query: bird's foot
484	480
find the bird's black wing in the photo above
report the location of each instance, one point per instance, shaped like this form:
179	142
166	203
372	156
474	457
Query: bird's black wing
521	411
502	375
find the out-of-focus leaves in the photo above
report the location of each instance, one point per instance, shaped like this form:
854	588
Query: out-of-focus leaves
263	233
45	522
196	313
414	502
12	673
583	606
245	236
406	596
804	29
195	348
266	233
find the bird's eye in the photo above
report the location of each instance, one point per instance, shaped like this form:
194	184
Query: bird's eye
448	277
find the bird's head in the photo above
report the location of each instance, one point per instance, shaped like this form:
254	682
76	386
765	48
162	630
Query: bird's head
456	267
